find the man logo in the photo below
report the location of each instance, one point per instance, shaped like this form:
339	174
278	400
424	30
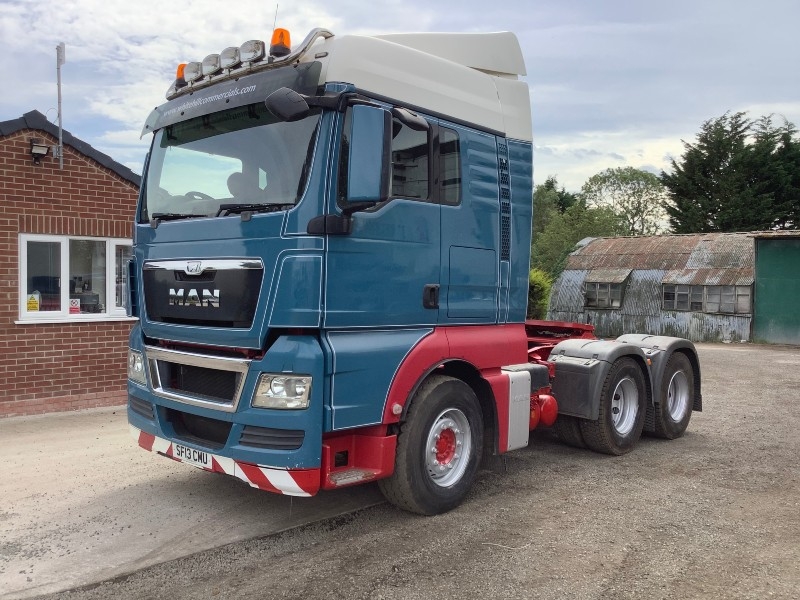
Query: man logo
194	268
205	299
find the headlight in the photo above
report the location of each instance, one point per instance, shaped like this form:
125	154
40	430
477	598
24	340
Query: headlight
282	391
136	367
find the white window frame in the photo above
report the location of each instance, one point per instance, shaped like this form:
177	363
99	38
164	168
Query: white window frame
111	313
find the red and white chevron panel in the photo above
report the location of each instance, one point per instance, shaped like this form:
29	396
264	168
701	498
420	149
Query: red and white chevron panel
296	482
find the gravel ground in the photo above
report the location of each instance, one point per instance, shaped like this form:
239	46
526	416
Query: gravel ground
715	514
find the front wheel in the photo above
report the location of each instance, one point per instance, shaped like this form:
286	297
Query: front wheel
623	401
438	448
674	407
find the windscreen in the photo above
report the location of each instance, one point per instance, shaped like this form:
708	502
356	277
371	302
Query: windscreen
239	157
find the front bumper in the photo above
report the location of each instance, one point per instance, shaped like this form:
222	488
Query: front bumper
290	482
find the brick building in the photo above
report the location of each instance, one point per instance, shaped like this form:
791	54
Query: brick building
64	246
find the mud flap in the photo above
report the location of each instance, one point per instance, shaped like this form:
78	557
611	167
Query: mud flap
581	369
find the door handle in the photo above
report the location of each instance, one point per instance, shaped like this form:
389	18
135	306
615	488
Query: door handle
430	296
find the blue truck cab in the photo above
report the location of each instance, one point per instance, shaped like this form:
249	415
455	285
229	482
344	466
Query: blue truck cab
330	267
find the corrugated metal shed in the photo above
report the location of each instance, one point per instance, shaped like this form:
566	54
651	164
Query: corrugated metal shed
709	259
667	252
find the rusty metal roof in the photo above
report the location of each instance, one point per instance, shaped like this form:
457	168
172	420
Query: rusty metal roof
608	275
702	253
743	276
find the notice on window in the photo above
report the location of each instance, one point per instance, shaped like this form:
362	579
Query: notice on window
74	306
33	302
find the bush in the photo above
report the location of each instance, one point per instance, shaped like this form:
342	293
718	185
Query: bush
539	284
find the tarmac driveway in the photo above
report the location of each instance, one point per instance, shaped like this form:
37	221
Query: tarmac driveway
80	502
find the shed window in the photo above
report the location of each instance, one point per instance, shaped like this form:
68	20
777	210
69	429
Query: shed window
726	299
603	295
683	297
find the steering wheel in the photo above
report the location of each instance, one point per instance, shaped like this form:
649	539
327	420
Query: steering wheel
198	196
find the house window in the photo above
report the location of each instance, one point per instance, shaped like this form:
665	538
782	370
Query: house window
726	299
603	295
73	278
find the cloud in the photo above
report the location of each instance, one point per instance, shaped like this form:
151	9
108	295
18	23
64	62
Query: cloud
611	84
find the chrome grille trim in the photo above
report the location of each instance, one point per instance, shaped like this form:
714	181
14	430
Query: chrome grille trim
188	266
240	366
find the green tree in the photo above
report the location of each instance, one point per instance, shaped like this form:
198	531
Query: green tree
549	200
539	285
635	195
738	175
551	247
780	150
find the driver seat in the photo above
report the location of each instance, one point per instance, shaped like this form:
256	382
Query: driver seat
241	187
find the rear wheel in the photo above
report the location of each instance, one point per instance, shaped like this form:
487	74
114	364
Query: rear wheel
438	448
674	407
568	430
622	409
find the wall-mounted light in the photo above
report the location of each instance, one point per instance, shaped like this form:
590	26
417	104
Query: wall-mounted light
38	150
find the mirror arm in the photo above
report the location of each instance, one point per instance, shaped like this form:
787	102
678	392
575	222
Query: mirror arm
357	207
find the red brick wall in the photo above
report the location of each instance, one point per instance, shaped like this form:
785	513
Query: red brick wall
50	367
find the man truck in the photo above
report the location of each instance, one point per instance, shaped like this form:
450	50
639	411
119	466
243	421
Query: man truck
330	274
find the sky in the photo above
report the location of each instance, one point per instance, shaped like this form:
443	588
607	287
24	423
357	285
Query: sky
613	83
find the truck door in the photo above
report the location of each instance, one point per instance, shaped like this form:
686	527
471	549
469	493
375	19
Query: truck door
385	272
471	244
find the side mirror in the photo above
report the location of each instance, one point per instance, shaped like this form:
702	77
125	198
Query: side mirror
287	105
368	165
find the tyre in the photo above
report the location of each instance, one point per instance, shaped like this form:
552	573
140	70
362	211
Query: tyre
673	410
568	430
623	401
438	448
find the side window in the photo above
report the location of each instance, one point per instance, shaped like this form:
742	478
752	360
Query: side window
410	162
344	157
449	167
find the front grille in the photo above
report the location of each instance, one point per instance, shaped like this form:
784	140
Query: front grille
198	379
272	439
217	386
210	433
142	407
203	293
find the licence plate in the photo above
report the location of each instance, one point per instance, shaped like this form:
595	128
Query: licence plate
196	458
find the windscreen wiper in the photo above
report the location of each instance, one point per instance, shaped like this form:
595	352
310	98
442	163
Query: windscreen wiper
156	218
235	209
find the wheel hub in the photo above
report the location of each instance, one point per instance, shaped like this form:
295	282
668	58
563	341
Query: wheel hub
678	396
448	448
624	406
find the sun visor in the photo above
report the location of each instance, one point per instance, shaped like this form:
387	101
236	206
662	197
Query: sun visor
249	89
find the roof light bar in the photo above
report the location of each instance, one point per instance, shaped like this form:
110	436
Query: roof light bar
227	63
